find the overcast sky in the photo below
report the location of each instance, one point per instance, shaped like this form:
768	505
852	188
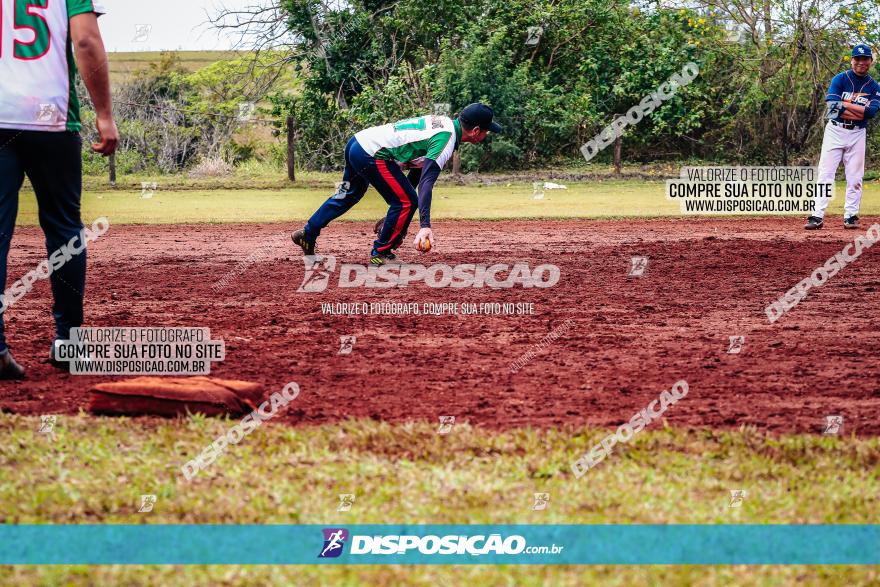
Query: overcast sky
162	25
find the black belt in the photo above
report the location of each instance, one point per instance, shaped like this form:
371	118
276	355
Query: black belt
848	125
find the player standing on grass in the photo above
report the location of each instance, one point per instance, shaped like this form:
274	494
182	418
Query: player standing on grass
39	136
853	98
378	155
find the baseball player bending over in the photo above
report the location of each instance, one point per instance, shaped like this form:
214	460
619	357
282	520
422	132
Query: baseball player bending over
853	98
378	155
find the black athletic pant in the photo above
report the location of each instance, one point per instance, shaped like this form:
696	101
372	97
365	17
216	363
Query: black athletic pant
53	163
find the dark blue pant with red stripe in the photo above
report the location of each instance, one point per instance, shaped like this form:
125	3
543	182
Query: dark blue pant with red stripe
362	171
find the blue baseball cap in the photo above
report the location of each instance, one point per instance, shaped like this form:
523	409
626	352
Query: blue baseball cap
478	114
862	50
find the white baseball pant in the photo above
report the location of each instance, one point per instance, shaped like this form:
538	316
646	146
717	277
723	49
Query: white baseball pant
848	145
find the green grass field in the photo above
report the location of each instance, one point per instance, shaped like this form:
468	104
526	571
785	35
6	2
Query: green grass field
434	575
96	471
271	198
124	64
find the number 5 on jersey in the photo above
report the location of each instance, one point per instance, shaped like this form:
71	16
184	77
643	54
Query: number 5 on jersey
25	18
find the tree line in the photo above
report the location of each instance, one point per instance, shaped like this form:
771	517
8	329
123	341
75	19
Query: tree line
555	71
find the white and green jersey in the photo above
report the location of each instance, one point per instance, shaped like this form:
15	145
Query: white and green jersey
37	71
413	140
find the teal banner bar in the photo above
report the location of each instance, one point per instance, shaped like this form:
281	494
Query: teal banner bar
440	544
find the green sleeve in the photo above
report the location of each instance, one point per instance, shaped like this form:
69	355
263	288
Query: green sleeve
436	144
75	7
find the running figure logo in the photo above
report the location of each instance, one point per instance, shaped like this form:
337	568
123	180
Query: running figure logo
736	344
147	503
537	190
541	501
148	189
142	33
346	500
246	111
833	425
47	113
346	344
446	424
342	189
638	265
334	540
47	424
833	109
736	498
318	270
533	35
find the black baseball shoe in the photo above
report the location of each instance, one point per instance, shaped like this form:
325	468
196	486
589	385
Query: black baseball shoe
299	239
814	223
380	259
74	351
53	357
851	222
9	369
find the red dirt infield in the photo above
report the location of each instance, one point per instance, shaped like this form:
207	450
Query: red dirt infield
630	337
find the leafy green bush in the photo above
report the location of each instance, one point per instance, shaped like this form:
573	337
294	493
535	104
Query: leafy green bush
367	62
550	97
170	119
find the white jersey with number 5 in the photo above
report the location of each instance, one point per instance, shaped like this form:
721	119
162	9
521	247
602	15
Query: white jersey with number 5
37	70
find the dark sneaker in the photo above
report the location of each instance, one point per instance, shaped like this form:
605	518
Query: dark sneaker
379	259
299	239
75	351
53	352
851	222
814	223
9	369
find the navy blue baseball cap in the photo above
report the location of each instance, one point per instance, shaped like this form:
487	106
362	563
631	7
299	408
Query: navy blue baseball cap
862	50
478	114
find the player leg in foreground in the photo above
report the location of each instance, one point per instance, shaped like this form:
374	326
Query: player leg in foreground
853	98
39	137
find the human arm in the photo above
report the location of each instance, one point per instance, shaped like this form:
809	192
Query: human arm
834	105
859	112
91	61
873	106
430	173
439	151
853	112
